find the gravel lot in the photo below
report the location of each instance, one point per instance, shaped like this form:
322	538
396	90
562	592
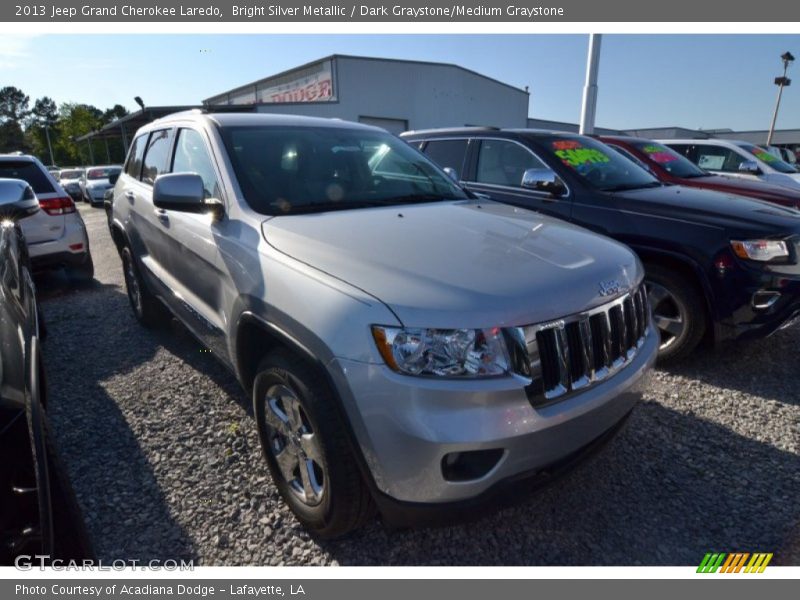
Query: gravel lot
160	444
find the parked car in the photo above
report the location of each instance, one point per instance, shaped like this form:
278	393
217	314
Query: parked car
668	166
70	180
785	154
38	512
402	342
717	265
737	159
95	183
56	235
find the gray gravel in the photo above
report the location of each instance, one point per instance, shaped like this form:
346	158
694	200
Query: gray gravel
161	447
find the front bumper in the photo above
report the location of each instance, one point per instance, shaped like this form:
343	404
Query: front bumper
406	427
756	303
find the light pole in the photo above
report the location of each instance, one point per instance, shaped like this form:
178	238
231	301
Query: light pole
781	82
589	108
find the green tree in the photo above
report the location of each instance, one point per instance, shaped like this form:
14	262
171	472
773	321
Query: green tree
41	128
13	104
74	121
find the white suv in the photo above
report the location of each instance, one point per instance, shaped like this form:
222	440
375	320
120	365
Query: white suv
737	159
56	235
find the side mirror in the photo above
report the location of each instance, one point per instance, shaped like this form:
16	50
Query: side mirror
183	192
749	166
17	200
451	173
543	180
113	178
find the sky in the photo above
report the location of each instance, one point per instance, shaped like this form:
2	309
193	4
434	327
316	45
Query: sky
688	80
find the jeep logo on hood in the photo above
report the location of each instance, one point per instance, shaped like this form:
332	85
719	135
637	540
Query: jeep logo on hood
612	287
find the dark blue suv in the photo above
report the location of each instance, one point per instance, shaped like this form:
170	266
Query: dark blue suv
717	266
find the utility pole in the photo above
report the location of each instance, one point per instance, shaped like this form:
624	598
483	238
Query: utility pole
589	107
781	82
49	145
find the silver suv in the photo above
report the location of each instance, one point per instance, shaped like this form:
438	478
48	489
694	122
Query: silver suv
404	343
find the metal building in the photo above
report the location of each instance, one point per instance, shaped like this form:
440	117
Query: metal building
397	95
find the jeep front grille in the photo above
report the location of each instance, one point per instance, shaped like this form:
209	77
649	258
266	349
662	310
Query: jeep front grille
575	352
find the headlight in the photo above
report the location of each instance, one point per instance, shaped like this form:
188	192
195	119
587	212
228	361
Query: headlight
761	250
443	352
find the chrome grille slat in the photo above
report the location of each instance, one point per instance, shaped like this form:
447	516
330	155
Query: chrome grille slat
575	352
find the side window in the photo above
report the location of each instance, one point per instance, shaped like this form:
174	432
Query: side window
501	162
717	158
191	156
156	159
133	166
448	153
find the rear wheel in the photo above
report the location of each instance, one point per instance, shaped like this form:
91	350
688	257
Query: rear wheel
306	447
147	309
678	312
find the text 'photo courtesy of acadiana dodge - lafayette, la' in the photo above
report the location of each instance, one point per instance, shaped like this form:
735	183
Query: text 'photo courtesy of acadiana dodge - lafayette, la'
259	590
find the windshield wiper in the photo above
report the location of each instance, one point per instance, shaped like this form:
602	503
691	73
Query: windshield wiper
355	204
633	186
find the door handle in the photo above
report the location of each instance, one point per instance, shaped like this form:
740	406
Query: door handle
130	195
161	215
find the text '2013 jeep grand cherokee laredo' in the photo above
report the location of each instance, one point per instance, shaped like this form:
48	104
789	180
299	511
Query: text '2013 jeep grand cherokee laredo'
402	342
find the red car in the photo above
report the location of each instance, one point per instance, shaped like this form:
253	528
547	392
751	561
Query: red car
670	167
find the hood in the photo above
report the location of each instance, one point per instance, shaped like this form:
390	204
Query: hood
749	187
719	209
460	264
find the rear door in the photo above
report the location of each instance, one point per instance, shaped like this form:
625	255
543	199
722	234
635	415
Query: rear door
41	227
146	227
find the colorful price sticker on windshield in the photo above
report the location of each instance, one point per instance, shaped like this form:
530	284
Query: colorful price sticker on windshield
573	154
762	154
659	154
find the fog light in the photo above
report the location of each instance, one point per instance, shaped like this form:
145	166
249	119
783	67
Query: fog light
473	464
765	300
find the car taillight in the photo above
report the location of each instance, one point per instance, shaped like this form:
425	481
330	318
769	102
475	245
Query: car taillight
57	206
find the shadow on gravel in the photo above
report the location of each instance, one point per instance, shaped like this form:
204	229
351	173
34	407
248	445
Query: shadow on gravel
91	338
765	368
667	490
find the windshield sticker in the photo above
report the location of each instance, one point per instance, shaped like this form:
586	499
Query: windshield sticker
762	154
659	154
573	154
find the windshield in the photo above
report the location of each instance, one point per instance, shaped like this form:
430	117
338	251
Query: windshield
284	170
102	173
597	164
70	174
669	160
769	158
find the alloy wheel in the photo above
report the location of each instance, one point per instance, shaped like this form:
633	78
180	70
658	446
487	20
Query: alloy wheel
295	445
669	313
132	283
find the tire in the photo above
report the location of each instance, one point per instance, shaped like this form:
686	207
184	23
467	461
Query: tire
83	272
327	494
679	312
147	309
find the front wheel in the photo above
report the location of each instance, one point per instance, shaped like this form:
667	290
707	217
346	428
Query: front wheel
306	447
678	312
